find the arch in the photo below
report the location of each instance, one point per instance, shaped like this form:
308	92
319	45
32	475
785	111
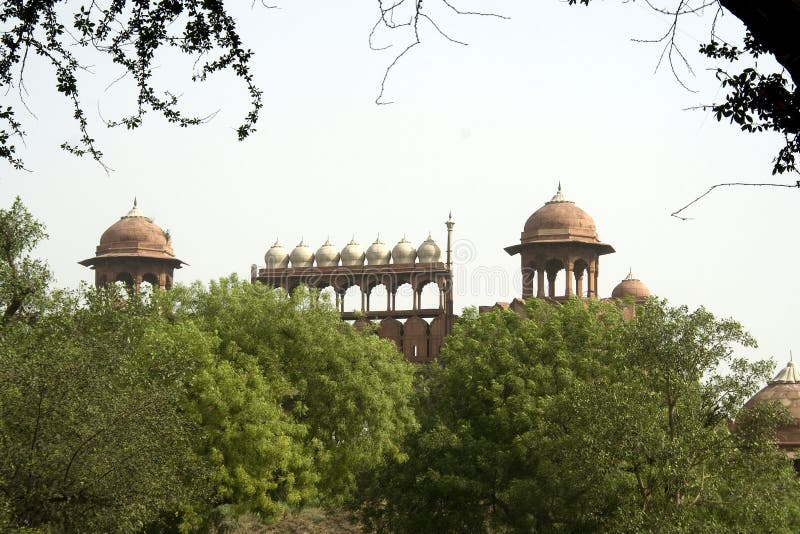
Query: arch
430	296
352	299
555	287
415	339
102	280
124	277
150	278
404	297
328	294
378	298
436	336
390	328
580	270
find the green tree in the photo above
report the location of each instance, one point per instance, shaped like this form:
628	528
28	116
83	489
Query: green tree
343	396
173	410
92	414
22	278
575	420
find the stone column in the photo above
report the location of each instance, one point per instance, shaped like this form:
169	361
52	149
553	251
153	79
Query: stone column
592	283
568	273
551	283
540	283
527	282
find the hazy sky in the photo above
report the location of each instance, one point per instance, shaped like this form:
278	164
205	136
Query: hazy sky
485	130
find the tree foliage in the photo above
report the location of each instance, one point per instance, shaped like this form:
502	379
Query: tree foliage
22	277
755	100
574	420
131	34
123	410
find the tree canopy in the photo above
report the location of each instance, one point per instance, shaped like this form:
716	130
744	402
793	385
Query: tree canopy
126	408
573	420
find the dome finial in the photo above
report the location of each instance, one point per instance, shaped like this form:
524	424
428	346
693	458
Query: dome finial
630	274
135	203
559	196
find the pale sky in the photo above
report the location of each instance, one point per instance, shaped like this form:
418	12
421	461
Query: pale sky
485	130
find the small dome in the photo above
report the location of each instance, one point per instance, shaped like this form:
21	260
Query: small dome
135	235
352	254
378	253
276	257
630	287
429	251
784	389
301	255
404	252
559	220
327	255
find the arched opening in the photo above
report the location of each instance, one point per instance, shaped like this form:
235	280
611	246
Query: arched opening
378	298
150	278
102	280
404	297
352	299
415	339
430	296
328	295
556	285
125	278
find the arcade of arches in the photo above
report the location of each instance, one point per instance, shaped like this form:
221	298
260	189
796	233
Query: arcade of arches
559	252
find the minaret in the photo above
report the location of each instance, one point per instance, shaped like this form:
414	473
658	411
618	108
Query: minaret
449	223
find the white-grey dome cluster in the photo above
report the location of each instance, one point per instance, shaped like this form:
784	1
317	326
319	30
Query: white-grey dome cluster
352	255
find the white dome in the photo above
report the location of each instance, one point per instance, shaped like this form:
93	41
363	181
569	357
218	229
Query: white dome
378	253
352	254
276	257
404	252
327	255
429	251
302	256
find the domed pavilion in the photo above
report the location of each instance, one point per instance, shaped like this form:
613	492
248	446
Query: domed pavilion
784	389
631	287
558	237
134	250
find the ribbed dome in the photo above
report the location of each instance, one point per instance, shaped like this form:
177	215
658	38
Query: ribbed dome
784	389
378	253
429	251
135	235
276	257
327	255
404	252
301	255
559	220
632	287
352	254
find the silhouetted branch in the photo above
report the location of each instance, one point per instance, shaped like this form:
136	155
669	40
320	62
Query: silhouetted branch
410	20
730	184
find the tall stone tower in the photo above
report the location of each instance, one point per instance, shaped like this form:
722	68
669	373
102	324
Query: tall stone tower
134	250
558	237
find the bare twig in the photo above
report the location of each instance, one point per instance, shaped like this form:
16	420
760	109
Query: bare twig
386	19
729	184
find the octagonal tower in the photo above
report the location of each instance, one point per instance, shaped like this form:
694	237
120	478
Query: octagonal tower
558	237
134	250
